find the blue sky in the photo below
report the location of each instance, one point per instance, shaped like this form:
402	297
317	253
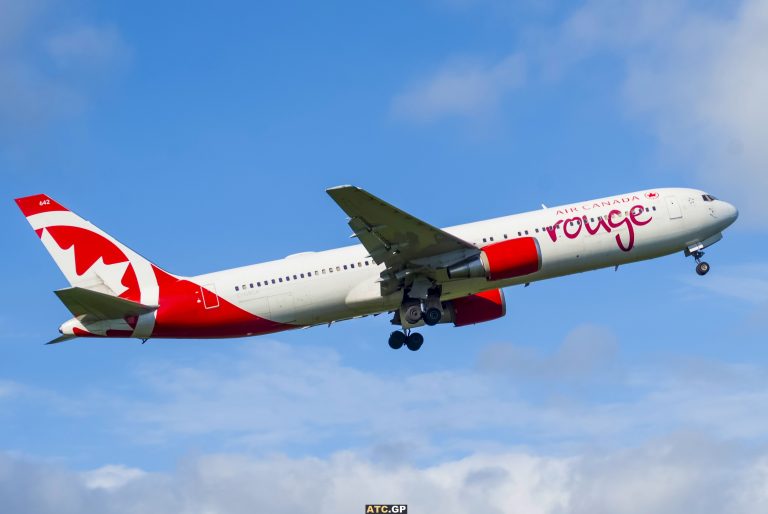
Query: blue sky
204	136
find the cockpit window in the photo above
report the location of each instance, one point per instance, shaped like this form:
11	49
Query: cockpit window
708	198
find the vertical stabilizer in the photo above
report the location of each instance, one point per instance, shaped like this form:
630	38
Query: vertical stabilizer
89	257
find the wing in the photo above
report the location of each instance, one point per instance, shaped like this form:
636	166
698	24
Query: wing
405	244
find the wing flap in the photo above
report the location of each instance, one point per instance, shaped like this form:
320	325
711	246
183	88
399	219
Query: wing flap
100	306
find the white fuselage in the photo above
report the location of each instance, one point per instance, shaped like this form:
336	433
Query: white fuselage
321	287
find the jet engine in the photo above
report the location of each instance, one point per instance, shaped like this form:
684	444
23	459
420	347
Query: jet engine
498	261
478	308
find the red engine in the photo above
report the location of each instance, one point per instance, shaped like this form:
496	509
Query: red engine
498	261
478	308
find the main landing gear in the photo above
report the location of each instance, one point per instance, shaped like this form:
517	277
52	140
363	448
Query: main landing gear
432	316
702	268
398	338
423	309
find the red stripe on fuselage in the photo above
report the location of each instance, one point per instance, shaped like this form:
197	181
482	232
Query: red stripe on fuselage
182	313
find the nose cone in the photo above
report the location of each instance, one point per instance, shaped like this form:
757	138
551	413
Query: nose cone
728	212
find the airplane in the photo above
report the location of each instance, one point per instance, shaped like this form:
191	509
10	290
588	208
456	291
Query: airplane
421	274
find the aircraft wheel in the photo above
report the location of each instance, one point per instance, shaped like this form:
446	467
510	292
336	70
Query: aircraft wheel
396	340
413	313
702	268
414	341
432	316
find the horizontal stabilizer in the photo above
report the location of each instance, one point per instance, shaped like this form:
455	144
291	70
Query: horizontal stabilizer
100	306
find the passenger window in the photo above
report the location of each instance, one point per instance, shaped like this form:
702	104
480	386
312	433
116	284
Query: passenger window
366	263
484	240
345	266
491	239
323	271
537	230
654	207
288	279
280	279
338	268
352	265
237	288
294	277
258	284
505	236
519	234
251	285
359	264
273	280
526	232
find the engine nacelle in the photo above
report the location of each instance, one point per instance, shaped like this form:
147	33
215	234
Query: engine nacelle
478	308
498	261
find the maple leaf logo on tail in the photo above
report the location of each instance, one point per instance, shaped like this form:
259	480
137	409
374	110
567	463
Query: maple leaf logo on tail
89	257
91	261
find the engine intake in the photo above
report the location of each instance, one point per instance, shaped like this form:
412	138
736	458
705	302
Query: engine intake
498	261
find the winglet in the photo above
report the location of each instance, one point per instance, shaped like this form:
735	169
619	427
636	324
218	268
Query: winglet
61	339
343	186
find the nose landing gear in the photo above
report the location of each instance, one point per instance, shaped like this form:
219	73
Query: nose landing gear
702	268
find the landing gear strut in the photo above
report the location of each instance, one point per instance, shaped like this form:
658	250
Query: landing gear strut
702	268
399	338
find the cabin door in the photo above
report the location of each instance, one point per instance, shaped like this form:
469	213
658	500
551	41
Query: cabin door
673	206
210	298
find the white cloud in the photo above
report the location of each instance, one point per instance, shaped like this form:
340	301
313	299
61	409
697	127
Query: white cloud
272	395
461	88
748	282
8	389
86	46
697	76
604	455
40	83
110	477
671	475
586	350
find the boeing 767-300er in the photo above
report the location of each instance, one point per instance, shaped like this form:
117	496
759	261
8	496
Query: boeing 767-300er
421	274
